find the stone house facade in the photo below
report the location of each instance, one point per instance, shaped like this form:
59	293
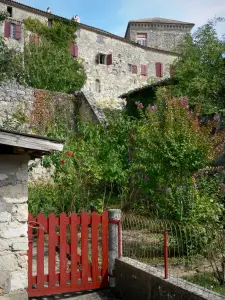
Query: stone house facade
158	33
113	64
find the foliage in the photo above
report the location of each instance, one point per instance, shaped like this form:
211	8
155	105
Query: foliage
60	33
200	69
49	65
12	69
206	280
147	164
51	68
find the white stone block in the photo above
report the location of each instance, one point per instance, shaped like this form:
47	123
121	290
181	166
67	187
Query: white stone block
18	281
8	262
20	212
12	230
14	193
3	245
19	244
5	217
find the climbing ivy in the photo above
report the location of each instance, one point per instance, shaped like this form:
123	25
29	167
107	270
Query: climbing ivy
49	64
60	33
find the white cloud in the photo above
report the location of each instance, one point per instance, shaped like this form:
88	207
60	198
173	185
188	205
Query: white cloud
196	11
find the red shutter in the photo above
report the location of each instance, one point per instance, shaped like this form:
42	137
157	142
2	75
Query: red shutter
159	69
171	71
74	50
109	59
18	31
134	69
143	70
7	30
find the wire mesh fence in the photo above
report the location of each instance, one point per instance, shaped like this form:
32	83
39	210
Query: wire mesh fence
195	253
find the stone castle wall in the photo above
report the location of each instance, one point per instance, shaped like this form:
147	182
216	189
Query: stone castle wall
117	79
160	36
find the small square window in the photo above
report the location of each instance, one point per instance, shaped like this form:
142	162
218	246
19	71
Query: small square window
129	66
9	11
103	59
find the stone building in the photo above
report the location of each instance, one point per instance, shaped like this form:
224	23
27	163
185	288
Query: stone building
16	150
114	65
158	33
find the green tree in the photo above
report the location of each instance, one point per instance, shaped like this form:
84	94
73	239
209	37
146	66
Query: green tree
52	68
10	59
200	69
49	64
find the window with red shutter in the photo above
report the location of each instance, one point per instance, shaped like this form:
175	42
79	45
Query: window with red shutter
143	70
18	32
159	69
74	50
134	69
7	29
109	59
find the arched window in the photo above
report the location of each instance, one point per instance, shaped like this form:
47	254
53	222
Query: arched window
97	86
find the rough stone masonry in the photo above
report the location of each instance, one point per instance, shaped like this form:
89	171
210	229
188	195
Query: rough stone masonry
13	226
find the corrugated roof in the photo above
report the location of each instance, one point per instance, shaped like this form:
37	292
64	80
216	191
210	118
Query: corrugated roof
160	20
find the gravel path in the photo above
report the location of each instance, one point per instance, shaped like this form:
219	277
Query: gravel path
97	295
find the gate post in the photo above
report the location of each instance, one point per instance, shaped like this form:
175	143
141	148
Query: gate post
115	242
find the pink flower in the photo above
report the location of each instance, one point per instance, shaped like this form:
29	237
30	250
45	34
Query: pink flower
217	118
62	161
139	104
151	108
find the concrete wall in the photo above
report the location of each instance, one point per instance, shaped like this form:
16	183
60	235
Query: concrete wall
135	280
160	36
13	226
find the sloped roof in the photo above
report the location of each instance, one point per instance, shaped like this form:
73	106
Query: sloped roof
84	26
160	20
166	81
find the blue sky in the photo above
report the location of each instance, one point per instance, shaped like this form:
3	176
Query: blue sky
113	15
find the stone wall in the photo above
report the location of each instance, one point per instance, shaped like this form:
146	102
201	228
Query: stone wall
135	280
13	225
34	111
160	36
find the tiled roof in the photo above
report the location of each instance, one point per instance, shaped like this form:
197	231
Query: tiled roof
84	26
160	20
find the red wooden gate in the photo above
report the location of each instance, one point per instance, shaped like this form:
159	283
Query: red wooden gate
67	254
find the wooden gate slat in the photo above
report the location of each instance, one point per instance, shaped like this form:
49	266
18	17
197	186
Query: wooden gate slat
63	244
40	252
94	246
84	247
30	249
65	280
52	222
73	248
104	248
